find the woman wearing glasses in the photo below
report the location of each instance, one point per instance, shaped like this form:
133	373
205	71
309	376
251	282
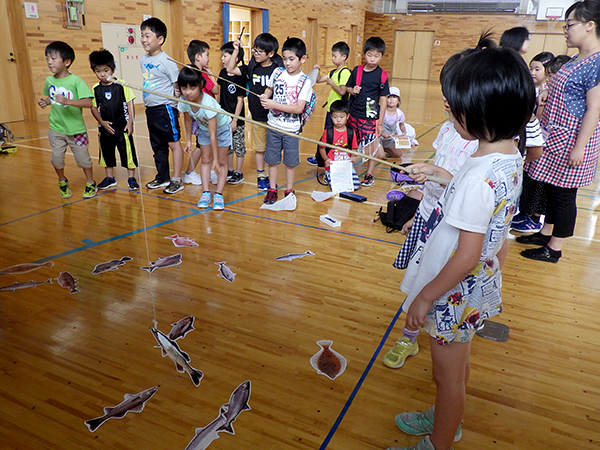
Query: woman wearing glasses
570	122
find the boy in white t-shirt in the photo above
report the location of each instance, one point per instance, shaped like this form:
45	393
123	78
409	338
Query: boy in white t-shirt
287	93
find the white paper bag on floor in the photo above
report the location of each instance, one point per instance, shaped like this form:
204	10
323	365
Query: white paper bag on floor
319	196
285	204
341	176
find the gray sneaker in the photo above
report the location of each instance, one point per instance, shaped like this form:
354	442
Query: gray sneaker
417	424
174	187
156	184
423	444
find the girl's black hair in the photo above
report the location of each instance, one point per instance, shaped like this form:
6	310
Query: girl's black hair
485	41
191	76
514	38
544	58
228	47
557	62
490	93
586	11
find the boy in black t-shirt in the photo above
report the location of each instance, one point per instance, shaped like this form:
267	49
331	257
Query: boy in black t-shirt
260	68
369	86
113	109
231	99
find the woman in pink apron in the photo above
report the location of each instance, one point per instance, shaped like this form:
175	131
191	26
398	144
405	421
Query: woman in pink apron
570	124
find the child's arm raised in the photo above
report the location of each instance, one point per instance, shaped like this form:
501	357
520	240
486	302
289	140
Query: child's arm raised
464	260
232	66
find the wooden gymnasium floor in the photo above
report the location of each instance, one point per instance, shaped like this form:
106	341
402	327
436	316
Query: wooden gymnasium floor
63	357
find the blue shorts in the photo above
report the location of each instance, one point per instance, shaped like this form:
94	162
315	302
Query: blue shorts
223	136
276	142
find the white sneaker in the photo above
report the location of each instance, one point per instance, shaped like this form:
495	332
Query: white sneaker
192	178
213	177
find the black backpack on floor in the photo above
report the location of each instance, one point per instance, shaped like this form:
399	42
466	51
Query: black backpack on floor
398	213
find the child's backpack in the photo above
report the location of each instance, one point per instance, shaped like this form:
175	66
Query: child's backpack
359	74
309	107
398	213
346	96
329	137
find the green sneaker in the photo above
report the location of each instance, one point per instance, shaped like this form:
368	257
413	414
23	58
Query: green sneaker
65	192
90	190
423	444
417	424
397	355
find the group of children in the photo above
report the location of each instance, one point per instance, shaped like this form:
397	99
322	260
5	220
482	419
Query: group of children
278	95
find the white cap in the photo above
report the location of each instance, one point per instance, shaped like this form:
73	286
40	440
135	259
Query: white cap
395	91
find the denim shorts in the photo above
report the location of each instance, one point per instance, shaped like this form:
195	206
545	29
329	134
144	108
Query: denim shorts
223	136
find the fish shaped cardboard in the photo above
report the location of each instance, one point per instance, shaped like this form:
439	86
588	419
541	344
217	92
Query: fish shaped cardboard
328	362
238	402
132	403
68	281
26	268
27	284
180	241
291	256
288	203
226	272
181	359
165	261
181	328
113	264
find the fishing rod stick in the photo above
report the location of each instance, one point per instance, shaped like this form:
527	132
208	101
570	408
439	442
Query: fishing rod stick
433	178
241	34
212	75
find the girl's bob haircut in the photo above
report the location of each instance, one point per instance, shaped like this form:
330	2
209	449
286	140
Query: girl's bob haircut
191	76
491	93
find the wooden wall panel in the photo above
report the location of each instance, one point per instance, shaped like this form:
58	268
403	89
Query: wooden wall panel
455	32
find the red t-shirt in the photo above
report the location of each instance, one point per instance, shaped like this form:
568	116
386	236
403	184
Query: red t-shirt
209	85
340	139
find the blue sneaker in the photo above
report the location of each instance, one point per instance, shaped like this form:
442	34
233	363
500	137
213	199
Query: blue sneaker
527	226
218	202
262	183
519	218
204	200
418	424
312	160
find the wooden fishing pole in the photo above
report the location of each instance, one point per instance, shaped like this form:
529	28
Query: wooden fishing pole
433	178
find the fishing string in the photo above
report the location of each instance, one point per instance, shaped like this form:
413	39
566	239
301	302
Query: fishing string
433	178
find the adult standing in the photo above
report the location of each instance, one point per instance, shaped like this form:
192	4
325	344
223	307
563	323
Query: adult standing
570	120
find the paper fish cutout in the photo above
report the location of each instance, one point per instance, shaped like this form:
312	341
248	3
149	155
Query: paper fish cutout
328	362
181	359
68	281
113	264
228	412
27	284
319	196
182	241
226	272
291	256
165	261
132	403
181	328
288	203
26	268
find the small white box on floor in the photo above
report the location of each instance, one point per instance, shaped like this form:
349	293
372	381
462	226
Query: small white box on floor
331	221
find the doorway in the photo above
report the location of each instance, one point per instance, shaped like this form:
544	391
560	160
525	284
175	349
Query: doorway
12	108
412	54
